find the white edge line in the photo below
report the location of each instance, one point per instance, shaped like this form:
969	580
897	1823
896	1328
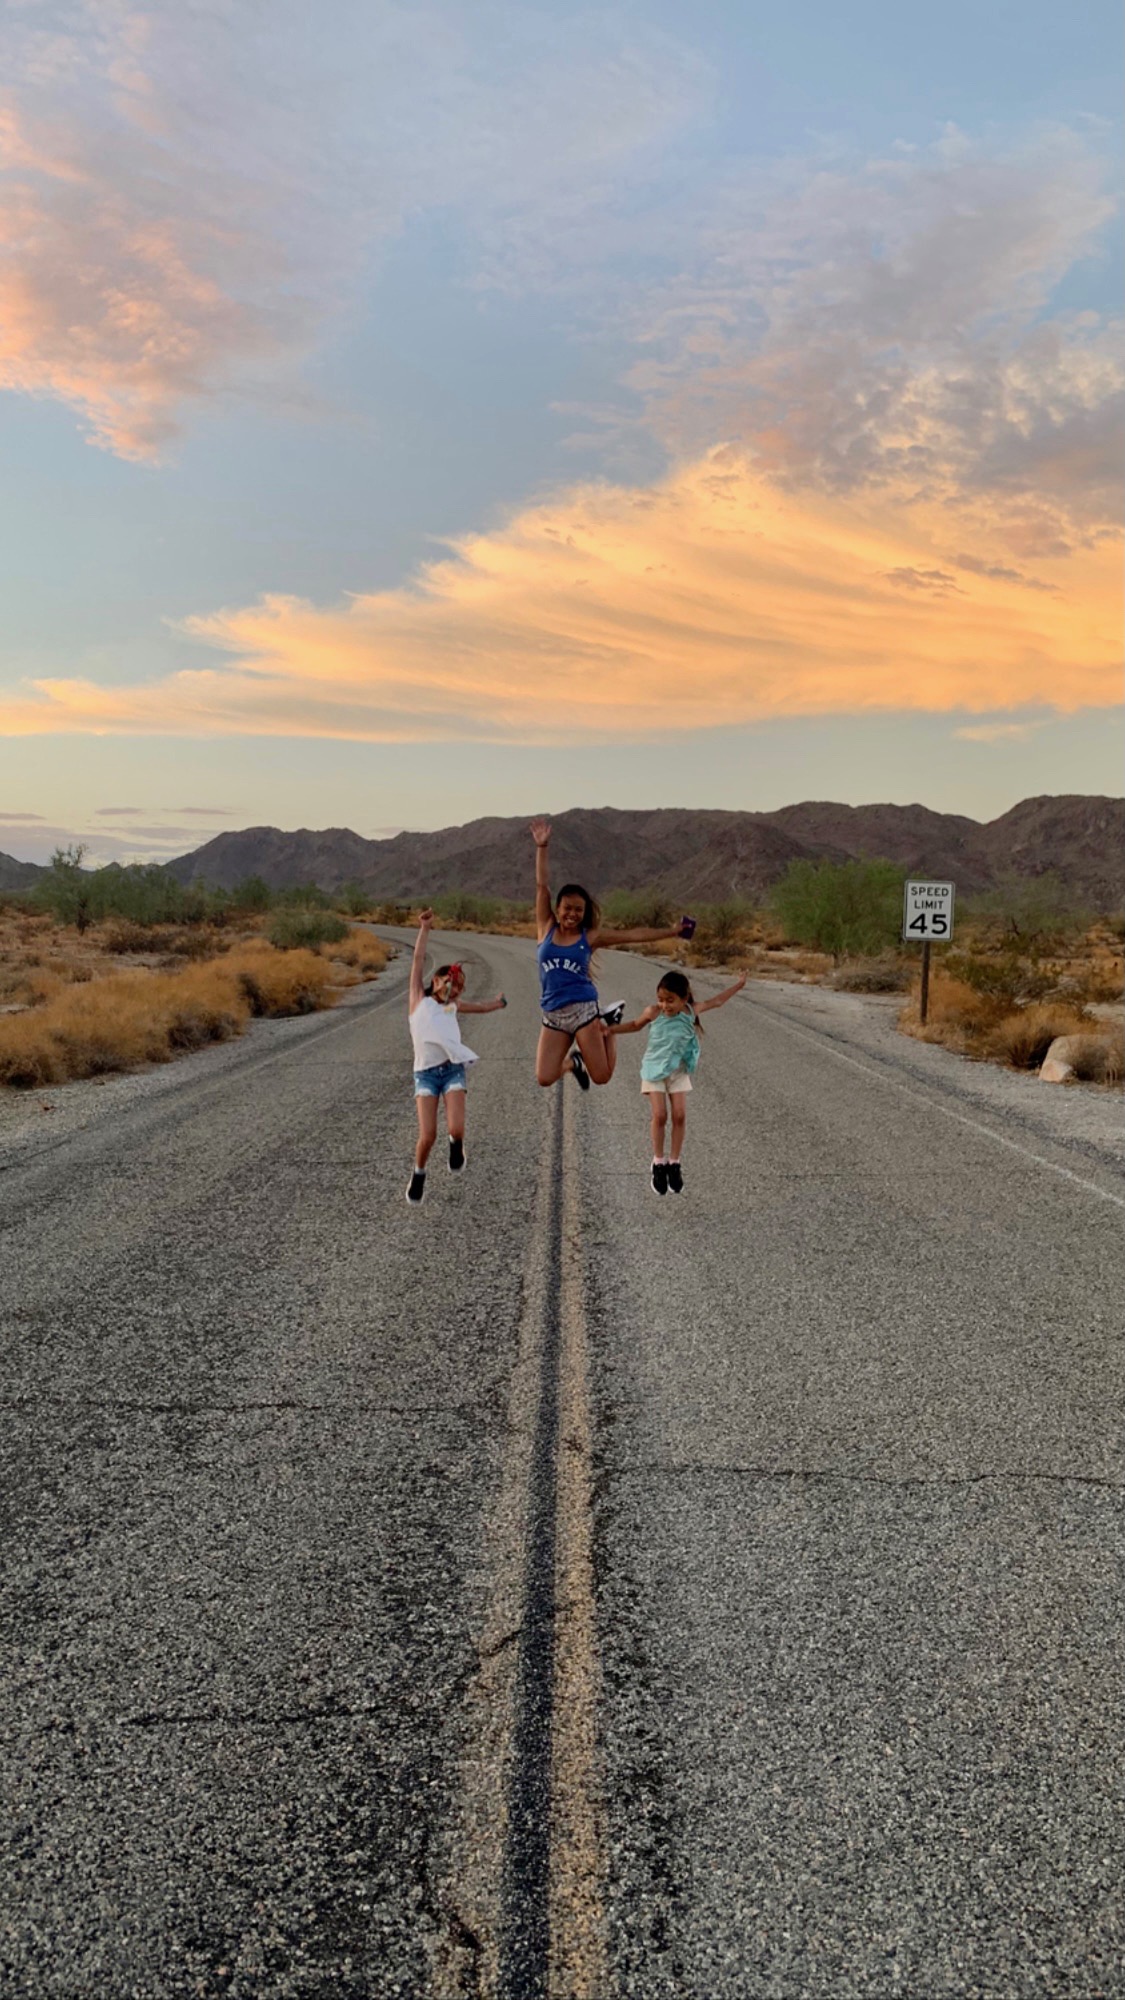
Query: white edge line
975	1125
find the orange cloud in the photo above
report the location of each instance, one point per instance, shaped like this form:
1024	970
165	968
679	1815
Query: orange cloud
616	612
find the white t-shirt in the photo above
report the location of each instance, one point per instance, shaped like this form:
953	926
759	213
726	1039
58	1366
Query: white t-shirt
437	1035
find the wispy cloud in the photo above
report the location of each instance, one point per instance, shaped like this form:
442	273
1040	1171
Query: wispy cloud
997	732
887	322
187	199
709	599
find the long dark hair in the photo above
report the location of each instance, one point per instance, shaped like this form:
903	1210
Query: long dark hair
679	984
592	916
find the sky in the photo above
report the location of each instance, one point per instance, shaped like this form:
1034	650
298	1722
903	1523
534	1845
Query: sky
430	408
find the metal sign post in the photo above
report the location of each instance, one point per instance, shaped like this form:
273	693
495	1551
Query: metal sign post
927	913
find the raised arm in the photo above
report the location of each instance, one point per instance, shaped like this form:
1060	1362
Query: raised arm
481	1006
720	999
541	835
418	962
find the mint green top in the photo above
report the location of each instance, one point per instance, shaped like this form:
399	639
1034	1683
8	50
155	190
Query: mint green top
673	1044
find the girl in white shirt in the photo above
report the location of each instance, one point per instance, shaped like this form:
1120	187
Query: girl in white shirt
440	1056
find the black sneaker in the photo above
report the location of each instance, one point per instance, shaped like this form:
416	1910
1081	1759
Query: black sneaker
614	1013
579	1071
456	1155
675	1177
416	1189
659	1177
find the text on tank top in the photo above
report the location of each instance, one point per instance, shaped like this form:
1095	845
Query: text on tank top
564	972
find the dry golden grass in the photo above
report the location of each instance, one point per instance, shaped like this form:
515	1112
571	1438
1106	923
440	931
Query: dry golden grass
989	1027
278	982
127	1019
362	952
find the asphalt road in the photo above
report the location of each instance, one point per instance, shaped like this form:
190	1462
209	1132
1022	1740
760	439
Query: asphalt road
557	1588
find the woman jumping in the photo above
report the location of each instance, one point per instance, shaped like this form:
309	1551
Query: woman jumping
440	1056
666	1068
569	932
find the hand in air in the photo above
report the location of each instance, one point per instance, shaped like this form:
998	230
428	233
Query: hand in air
686	927
540	830
425	919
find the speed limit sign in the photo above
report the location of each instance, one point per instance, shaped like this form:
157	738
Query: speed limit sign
927	912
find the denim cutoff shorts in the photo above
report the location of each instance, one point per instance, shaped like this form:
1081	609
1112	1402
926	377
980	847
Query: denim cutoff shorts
441	1077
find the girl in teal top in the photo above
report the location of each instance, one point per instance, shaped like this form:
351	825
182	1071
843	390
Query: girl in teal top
671	1054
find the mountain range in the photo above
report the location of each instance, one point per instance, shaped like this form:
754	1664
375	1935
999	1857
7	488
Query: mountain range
691	854
685	854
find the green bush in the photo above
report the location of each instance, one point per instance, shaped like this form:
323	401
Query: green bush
487	912
292	929
850	908
354	899
636	909
1008	977
1032	908
304	896
143	895
251	897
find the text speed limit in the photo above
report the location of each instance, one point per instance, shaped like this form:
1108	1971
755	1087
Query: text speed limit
927	910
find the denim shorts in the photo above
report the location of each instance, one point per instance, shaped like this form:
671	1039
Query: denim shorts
436	1081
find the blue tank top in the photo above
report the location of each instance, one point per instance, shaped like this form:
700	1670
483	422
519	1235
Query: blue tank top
564	972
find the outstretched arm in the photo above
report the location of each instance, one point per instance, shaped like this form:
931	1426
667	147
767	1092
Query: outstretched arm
541	835
720	999
418	962
634	1027
481	1006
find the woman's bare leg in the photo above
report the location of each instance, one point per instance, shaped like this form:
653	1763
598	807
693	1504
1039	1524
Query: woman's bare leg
658	1104
678	1103
598	1049
552	1057
427	1130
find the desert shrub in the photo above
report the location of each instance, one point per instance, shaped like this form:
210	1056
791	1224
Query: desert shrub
1008	976
125	936
1030	907
250	897
636	909
295	929
303	896
275	982
873	975
365	953
851	908
353	899
1022	1039
1100	983
118	1023
129	1018
1099	1058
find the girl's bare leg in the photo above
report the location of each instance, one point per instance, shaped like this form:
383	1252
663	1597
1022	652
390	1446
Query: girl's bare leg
659	1106
679	1123
552	1057
599	1050
455	1113
427	1129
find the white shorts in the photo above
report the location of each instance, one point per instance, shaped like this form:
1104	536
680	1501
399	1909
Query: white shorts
673	1085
